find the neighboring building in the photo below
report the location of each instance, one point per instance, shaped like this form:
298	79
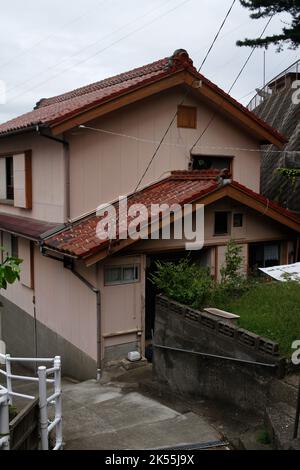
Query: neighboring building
91	301
275	104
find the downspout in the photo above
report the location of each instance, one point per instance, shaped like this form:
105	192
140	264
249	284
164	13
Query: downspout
69	264
99	328
66	149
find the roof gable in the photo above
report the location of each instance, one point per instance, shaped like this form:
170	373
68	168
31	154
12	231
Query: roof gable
181	187
68	110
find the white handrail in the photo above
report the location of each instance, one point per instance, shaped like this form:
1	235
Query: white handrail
54	399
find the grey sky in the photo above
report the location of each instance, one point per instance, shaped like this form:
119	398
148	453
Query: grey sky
51	47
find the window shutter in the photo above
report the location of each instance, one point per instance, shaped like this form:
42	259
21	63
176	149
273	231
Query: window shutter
187	117
3	194
22	181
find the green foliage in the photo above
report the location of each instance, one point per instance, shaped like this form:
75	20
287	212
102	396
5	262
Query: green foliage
291	173
191	284
184	282
9	271
263	437
266	8
270	310
231	271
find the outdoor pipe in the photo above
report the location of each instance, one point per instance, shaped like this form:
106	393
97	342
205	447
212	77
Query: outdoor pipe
96	291
99	328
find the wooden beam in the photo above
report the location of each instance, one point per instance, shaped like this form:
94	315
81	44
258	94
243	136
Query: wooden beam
118	103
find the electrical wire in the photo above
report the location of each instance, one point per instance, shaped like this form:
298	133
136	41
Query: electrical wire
140	28
185	146
233	84
44	39
185	96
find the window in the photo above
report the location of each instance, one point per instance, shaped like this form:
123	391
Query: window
187	117
115	275
264	255
7	178
16	180
238	220
205	162
221	223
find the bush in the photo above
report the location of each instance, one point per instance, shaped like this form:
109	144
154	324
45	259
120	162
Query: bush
187	283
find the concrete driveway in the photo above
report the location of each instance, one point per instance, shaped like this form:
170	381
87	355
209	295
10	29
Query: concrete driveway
113	417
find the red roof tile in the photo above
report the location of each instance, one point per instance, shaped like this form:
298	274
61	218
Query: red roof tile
182	187
29	228
59	108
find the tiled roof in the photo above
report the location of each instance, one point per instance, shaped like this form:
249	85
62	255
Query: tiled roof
29	228
59	108
182	187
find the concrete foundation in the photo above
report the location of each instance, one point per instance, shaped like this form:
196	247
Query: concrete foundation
25	338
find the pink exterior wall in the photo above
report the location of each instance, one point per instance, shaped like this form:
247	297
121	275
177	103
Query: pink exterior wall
65	305
123	305
48	177
104	166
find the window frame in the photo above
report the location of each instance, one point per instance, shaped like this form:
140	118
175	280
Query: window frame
230	158
222	234
185	121
240	214
123	267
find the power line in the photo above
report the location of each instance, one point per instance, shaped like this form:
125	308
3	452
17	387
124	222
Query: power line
232	86
217	35
171	144
99	51
184	98
44	39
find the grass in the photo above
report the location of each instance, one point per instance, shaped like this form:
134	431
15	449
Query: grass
270	310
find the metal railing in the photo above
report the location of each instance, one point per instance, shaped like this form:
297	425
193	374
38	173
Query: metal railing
7	393
267	91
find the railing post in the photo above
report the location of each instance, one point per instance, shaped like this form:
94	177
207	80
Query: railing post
43	405
4	419
58	402
297	419
8	378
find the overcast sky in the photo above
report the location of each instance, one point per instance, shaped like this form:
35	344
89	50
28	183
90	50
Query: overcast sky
47	48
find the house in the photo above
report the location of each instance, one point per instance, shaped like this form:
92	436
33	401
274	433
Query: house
279	105
90	299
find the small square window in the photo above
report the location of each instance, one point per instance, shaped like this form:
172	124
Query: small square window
238	220
115	275
221	223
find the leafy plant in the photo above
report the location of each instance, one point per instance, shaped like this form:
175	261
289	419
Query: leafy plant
9	270
290	33
231	270
185	282
291	173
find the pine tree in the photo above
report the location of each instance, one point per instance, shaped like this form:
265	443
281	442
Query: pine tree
266	8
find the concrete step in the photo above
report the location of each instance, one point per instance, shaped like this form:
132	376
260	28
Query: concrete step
280	421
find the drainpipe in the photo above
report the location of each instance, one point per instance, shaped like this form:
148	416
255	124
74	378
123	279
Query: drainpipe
69	264
66	147
99	329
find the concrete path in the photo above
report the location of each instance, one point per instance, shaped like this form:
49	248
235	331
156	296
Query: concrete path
116	415
112	418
